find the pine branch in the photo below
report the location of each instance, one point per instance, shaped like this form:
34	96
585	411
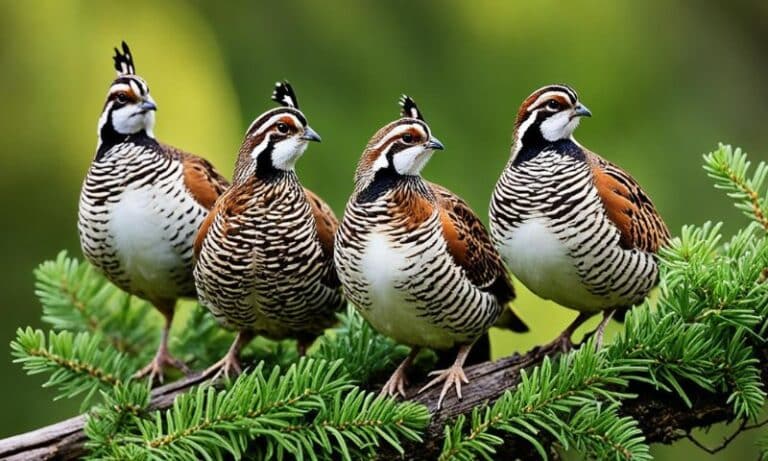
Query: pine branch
354	426
268	414
201	340
116	415
660	417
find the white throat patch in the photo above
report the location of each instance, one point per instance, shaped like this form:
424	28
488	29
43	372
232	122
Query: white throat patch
287	151
410	161
559	126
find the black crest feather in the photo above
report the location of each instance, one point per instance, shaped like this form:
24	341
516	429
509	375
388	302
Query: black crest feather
284	95
409	108
124	62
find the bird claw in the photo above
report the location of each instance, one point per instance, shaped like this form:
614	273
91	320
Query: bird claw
156	368
452	376
561	344
395	384
228	367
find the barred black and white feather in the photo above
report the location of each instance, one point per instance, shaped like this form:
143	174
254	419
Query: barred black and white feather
412	257
571	226
264	261
261	265
401	276
142	202
138	218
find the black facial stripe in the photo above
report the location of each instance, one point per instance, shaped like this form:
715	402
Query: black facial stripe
265	168
533	142
542	106
383	180
411	121
117	104
396	145
109	137
401	122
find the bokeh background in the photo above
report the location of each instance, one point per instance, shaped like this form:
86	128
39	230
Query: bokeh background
665	80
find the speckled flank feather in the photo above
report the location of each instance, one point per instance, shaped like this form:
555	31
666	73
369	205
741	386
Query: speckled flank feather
264	262
138	217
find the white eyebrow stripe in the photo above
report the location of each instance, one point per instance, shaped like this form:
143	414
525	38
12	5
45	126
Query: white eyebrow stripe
545	96
267	123
397	132
119	87
136	90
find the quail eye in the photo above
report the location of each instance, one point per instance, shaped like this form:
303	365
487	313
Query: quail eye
408	137
282	127
552	104
122	98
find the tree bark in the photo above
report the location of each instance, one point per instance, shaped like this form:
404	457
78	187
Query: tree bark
662	416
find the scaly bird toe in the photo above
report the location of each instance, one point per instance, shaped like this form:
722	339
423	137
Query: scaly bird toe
452	376
398	381
155	369
227	367
395	384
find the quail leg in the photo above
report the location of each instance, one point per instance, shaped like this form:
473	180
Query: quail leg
155	368
453	376
397	382
229	365
303	344
563	342
607	315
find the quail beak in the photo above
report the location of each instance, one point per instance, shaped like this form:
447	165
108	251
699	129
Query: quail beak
310	135
581	111
434	144
146	106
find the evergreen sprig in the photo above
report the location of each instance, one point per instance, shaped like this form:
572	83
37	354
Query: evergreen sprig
76	297
201	341
273	413
353	425
77	363
730	168
555	398
117	414
364	351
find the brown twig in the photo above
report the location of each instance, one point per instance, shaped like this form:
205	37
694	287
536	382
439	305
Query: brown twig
727	441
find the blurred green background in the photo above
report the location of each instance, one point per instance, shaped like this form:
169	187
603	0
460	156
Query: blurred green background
665	80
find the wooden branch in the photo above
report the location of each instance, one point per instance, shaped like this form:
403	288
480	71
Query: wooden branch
663	417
